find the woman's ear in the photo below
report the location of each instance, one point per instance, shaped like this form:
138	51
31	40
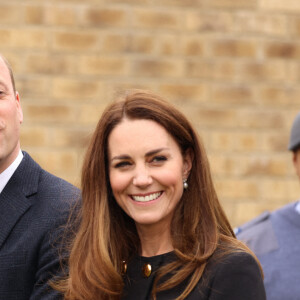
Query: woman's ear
188	158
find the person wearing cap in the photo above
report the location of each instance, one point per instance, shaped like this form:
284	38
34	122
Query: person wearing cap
275	238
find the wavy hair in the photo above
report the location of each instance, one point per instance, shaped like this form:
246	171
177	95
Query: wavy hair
107	236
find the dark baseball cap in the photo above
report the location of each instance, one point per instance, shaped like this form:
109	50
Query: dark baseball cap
295	134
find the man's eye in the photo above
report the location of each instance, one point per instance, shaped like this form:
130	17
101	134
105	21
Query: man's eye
2	93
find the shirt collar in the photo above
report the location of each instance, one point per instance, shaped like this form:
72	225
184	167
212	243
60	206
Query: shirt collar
6	174
298	207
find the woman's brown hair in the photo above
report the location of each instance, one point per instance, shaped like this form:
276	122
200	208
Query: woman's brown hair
107	236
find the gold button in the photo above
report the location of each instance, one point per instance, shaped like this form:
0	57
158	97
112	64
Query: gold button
147	270
124	267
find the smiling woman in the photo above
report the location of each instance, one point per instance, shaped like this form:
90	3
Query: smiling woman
151	223
146	172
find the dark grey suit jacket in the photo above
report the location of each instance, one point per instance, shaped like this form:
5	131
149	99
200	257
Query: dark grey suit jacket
34	207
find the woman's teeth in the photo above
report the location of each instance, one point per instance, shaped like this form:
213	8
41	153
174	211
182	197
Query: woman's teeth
146	198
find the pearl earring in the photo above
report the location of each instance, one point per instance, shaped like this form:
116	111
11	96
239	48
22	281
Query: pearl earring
185	184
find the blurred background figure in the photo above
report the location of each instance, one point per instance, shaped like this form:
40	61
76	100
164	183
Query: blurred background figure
275	238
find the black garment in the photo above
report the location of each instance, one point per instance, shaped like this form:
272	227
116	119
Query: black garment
235	277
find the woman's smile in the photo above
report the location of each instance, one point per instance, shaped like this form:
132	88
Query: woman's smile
146	198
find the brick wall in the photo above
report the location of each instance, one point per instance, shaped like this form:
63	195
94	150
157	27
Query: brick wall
231	65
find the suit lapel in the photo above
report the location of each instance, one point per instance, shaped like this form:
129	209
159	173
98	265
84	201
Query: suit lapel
12	207
14	199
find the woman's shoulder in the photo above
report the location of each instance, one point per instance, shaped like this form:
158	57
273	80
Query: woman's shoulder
235	261
235	257
234	275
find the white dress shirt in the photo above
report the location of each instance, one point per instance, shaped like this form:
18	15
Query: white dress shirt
6	174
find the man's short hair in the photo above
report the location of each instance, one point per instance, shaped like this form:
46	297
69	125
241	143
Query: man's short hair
294	143
10	72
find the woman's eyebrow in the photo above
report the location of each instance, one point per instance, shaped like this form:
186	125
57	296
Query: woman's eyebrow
122	156
149	153
155	151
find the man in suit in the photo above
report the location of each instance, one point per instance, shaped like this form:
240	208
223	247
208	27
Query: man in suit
34	208
275	239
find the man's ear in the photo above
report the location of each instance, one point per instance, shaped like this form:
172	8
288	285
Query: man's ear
19	108
188	158
294	157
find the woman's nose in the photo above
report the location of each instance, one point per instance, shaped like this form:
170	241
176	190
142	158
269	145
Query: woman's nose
142	177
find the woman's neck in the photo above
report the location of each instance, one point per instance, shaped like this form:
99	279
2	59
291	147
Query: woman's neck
155	240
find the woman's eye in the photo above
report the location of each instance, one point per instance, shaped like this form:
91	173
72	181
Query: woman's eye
122	164
159	158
